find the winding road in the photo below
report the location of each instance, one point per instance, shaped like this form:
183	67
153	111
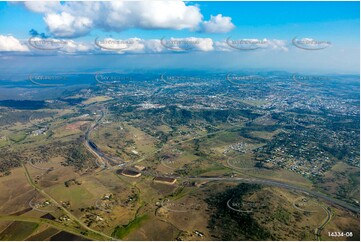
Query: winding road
252	180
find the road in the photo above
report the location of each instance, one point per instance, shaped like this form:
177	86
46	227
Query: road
261	181
269	182
103	160
323	224
48	222
95	233
100	162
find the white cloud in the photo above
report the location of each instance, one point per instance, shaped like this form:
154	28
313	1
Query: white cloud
43	7
218	24
151	15
154	46
222	46
202	44
131	45
134	45
277	44
251	44
10	43
71	46
137	45
51	46
67	25
309	43
74	19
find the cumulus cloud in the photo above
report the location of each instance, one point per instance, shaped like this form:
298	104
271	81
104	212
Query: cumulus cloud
203	44
68	25
137	45
72	46
152	15
10	43
131	45
231	44
51	46
74	19
154	46
166	45
39	45
43	7
222	46
218	24
310	44
190	43
278	44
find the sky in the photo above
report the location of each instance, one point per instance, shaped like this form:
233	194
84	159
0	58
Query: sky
309	37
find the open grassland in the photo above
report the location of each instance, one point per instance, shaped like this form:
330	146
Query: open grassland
343	180
96	99
266	135
69	129
123	140
15	192
344	222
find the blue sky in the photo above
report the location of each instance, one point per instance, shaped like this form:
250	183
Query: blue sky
276	22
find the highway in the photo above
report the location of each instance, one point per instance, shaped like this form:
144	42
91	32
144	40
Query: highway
103	160
252	180
269	182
